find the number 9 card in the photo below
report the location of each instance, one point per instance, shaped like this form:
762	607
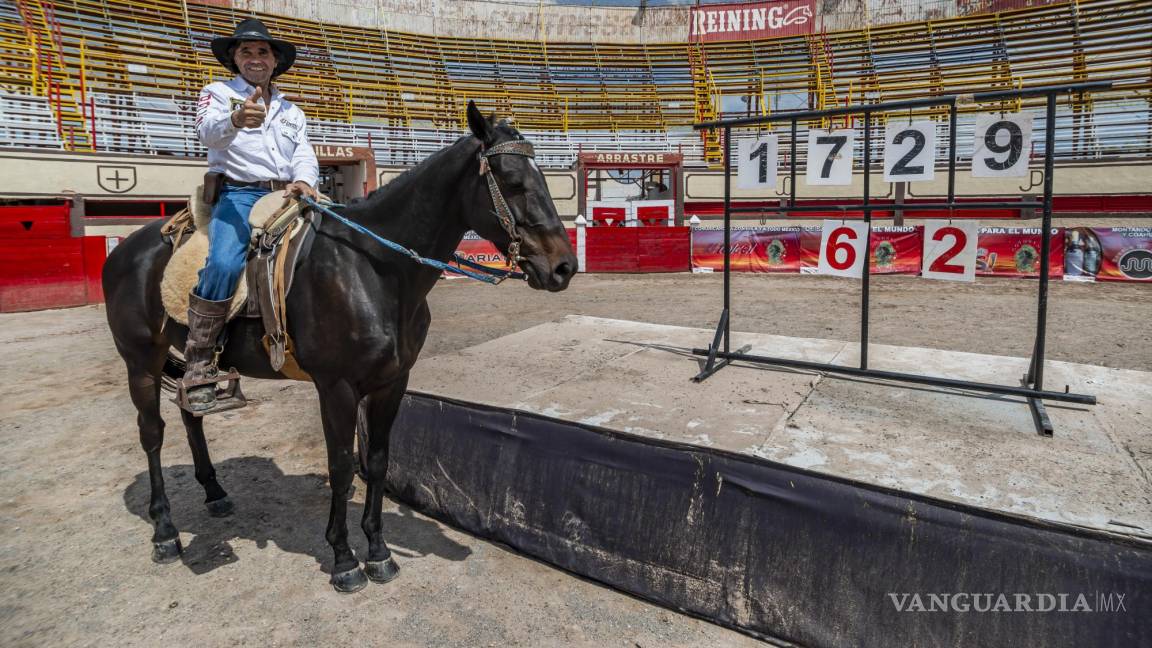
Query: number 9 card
1002	147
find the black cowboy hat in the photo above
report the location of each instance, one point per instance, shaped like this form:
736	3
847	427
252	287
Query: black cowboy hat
254	30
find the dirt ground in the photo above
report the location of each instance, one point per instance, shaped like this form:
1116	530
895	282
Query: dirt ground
74	550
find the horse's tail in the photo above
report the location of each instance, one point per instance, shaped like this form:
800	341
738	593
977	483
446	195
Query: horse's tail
173	371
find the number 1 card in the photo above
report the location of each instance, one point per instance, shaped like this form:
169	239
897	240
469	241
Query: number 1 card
756	163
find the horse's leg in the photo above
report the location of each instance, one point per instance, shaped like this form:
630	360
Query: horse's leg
382	407
338	410
144	387
214	496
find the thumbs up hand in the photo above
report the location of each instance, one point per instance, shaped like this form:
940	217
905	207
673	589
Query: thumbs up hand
251	114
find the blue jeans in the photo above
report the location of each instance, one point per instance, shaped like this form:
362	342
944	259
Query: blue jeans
228	237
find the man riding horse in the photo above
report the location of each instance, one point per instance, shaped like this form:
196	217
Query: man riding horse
256	144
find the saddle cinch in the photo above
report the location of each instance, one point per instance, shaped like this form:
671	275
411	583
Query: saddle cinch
282	235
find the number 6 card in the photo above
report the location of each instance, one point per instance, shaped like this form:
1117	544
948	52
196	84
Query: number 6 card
1002	146
843	248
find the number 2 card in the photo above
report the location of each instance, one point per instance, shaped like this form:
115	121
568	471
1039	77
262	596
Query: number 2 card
950	250
909	151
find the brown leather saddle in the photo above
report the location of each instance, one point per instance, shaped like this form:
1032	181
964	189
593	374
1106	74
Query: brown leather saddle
282	235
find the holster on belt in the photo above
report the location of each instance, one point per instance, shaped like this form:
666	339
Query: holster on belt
212	183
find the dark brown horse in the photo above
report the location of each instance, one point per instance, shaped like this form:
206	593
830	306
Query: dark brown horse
358	314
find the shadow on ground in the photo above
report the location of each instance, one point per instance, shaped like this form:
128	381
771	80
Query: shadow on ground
290	511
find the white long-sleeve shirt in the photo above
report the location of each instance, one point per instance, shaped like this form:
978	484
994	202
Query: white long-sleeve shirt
277	150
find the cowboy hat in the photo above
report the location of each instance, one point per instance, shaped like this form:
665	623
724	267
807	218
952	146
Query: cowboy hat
254	30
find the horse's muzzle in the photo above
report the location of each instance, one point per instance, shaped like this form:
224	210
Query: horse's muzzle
550	267
545	273
549	262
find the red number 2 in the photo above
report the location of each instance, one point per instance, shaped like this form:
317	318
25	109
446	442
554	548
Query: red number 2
835	246
959	240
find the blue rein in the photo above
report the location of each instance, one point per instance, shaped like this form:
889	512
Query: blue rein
490	275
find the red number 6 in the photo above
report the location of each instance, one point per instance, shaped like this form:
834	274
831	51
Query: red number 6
835	245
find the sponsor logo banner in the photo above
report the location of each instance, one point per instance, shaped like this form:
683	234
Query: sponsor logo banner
770	249
751	21
1015	252
1108	254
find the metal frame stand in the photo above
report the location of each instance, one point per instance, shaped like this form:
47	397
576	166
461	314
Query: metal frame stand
1032	385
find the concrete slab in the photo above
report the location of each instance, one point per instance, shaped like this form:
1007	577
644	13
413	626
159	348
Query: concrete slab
975	449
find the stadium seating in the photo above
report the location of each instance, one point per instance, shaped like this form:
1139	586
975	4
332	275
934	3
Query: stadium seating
120	76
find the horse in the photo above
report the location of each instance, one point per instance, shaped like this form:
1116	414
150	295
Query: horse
357	313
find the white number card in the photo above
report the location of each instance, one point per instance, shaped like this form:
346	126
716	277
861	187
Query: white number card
909	151
1003	145
843	248
756	164
830	157
950	250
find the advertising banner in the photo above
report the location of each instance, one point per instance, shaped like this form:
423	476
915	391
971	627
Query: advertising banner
1015	252
480	251
897	250
751	21
1108	254
769	249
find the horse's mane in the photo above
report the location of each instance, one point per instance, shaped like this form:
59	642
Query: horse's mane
381	194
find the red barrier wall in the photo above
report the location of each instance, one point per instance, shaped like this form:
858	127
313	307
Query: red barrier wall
24	222
50	273
638	249
42	265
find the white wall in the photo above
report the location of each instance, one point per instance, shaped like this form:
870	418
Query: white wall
533	20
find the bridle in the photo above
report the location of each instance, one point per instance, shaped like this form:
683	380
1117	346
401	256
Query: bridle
503	212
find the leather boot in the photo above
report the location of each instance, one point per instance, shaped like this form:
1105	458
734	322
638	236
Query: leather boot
205	321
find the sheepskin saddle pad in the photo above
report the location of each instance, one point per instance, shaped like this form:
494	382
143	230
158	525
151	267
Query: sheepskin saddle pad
182	273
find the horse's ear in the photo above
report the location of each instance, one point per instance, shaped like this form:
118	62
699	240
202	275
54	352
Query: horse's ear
476	122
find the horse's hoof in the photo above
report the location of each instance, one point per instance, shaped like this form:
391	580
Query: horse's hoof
167	551
222	507
349	581
382	571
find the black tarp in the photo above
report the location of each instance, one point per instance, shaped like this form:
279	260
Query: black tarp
766	548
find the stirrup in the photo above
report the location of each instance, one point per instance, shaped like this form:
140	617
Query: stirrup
228	397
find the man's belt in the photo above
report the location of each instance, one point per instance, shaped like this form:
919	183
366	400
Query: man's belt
270	185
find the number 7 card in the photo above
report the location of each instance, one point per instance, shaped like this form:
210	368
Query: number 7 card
830	157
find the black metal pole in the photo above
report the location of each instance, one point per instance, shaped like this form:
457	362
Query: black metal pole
979	97
952	153
792	170
1045	245
1008	390
727	236
935	206
867	241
